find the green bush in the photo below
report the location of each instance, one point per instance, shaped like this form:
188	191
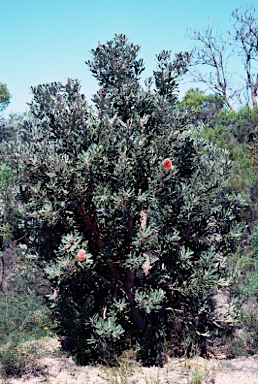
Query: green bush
250	323
246	266
125	203
24	314
8	211
245	341
17	360
235	131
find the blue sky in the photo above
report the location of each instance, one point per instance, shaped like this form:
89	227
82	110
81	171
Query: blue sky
48	40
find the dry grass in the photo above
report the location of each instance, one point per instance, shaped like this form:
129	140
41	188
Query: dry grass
47	365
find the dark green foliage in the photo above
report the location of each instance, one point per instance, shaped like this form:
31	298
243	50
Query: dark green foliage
155	240
167	73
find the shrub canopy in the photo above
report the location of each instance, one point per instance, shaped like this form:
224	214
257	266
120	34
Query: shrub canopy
133	248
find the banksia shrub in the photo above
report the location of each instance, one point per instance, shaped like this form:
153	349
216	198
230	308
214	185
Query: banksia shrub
133	244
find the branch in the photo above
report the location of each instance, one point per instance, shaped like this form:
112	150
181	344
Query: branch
136	317
213	54
92	226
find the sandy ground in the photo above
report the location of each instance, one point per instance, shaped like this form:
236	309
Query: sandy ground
57	369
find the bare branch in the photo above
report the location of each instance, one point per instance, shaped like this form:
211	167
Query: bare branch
246	38
211	51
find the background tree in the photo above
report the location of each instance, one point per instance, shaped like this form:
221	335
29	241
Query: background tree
8	211
125	206
246	38
235	131
213	53
203	108
215	57
4	96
